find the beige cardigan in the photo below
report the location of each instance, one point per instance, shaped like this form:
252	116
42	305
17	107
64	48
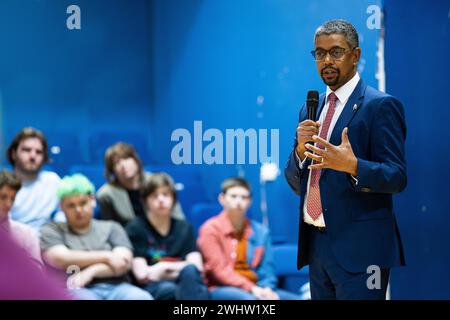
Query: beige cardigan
115	204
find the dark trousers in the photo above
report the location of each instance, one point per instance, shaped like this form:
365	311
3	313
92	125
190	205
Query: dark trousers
328	280
188	286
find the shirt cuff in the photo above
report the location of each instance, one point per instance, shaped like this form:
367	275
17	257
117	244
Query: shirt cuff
301	163
355	179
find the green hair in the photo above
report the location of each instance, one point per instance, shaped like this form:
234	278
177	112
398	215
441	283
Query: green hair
74	185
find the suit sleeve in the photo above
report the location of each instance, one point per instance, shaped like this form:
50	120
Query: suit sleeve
292	170
385	172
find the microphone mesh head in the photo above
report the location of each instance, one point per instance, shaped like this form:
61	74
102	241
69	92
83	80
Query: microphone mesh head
312	101
313	95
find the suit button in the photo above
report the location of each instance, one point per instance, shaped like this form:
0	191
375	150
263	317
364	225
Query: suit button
364	189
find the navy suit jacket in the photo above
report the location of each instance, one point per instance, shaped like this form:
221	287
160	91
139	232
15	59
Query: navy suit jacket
359	217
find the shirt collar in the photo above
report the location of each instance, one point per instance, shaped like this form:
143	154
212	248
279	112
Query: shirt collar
227	226
344	92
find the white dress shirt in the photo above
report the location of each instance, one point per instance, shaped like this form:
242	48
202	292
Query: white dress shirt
342	94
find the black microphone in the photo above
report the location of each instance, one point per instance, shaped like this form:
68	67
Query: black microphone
312	102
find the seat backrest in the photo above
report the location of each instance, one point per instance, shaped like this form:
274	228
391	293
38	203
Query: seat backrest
64	150
285	259
186	174
201	212
93	172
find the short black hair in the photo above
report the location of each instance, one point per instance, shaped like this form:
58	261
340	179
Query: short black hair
339	26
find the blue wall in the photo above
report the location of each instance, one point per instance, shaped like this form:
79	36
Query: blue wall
417	47
82	80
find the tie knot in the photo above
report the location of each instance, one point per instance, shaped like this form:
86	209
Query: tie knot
332	98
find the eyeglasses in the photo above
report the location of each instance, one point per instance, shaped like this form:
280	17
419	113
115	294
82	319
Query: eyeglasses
336	53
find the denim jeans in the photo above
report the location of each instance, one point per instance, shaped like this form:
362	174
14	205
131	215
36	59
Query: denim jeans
106	291
234	293
188	286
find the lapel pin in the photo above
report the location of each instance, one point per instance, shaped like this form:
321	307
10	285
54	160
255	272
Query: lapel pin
355	106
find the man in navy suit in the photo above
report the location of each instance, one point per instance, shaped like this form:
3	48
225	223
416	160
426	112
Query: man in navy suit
345	166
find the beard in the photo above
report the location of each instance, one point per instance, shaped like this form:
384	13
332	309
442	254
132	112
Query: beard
330	81
31	168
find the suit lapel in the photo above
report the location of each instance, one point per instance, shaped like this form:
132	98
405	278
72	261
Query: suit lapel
351	107
349	111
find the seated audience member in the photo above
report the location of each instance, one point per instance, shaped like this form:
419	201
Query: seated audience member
119	199
100	249
167	263
36	201
24	235
237	251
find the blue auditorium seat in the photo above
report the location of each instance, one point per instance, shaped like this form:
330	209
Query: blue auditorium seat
285	260
64	150
6	166
92	171
203	211
187	174
99	141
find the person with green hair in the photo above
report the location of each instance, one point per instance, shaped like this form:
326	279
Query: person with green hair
97	255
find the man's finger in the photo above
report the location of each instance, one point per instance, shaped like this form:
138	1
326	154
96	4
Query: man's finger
308	123
308	128
309	133
345	135
306	135
320	152
323	142
320	165
313	156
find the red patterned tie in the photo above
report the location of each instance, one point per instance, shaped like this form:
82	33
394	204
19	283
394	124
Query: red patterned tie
314	204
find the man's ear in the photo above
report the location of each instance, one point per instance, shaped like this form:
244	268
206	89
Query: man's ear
93	201
221	198
356	55
14	155
61	204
